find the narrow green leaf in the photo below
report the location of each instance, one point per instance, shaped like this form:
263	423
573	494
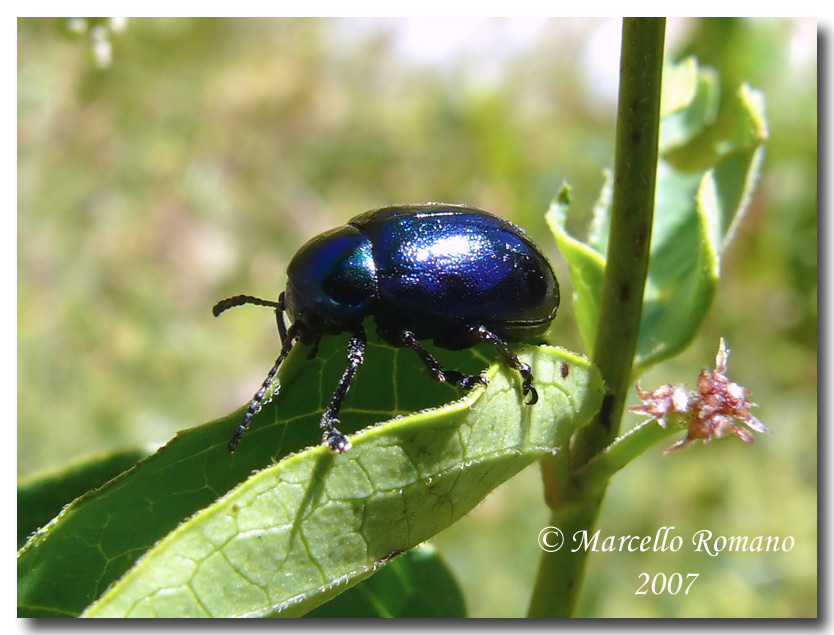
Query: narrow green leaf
691	97
418	583
688	238
586	264
683	271
41	498
738	169
680	82
696	214
302	531
601	219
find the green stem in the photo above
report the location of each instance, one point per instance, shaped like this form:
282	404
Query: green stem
632	210
595	474
575	507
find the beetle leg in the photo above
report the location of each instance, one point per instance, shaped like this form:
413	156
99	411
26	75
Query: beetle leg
337	441
279	318
440	374
512	359
257	401
314	350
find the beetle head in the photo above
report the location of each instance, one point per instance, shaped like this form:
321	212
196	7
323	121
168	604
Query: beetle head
331	283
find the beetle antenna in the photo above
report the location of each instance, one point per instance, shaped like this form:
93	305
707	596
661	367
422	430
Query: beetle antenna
258	399
240	300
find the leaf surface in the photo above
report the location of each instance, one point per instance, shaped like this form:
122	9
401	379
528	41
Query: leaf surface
302	524
415	584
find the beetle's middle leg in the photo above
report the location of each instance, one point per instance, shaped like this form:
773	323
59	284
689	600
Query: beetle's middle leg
467	382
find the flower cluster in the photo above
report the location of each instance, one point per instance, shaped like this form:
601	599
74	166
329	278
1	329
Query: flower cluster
718	406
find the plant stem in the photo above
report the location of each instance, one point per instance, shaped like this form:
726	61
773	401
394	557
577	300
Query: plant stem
595	474
627	263
575	508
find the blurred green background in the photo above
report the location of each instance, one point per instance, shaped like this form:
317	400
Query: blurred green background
168	163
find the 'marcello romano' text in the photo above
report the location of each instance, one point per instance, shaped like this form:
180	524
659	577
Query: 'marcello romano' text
666	540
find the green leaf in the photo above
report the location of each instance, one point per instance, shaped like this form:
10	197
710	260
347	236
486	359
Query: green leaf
680	83
683	270
586	263
689	105
302	531
105	531
415	584
695	217
40	498
194	469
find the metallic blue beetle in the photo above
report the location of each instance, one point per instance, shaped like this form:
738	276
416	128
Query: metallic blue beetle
450	273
